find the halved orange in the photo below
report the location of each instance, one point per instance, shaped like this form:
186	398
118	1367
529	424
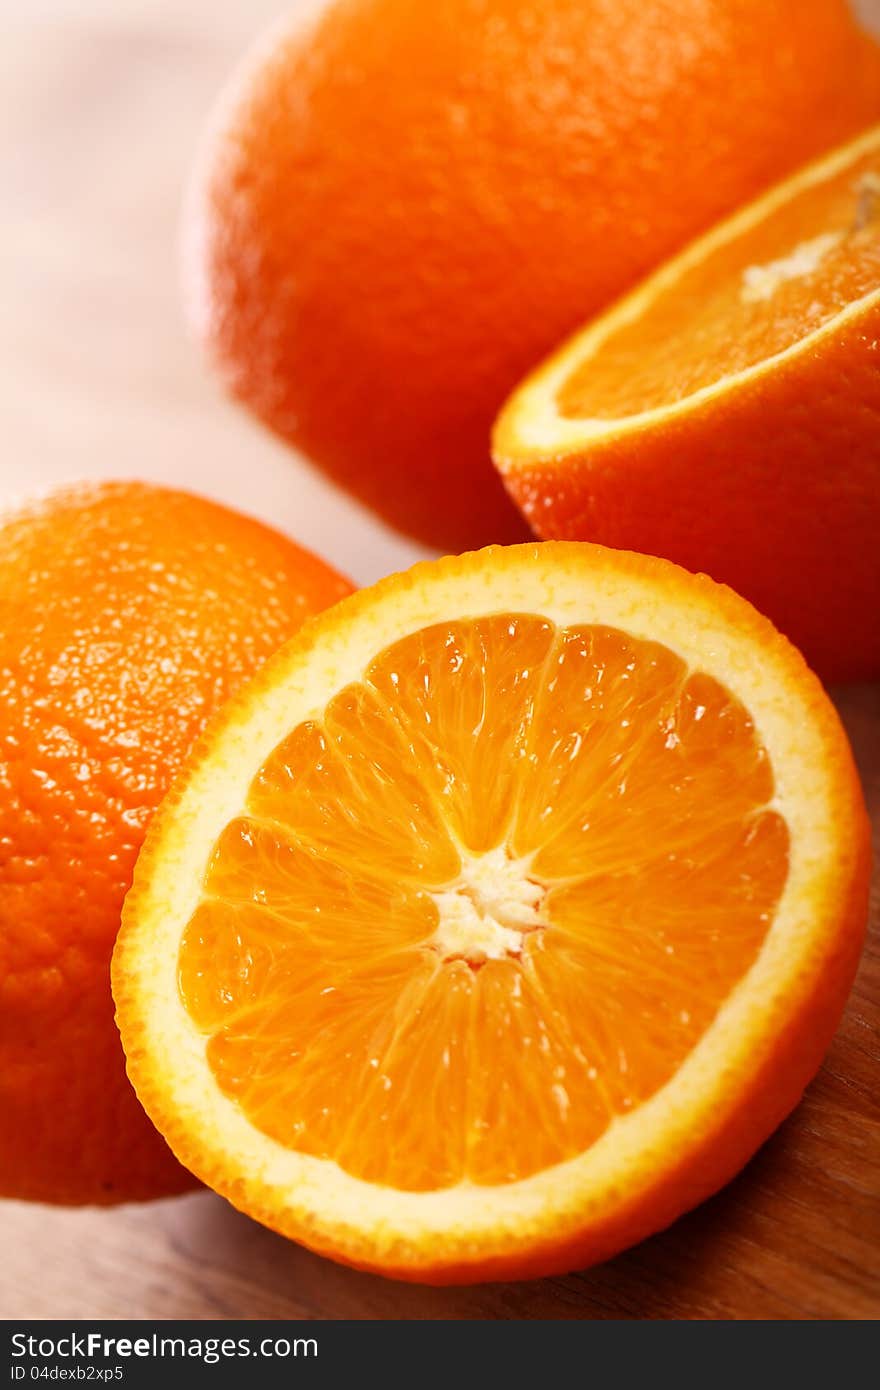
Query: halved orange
501	918
726	413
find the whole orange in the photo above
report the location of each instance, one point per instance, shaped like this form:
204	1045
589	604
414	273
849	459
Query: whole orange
401	207
127	615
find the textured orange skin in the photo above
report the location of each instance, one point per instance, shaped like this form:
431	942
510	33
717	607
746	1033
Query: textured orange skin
402	207
773	488
127	614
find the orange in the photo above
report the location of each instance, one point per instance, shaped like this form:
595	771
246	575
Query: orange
725	413
500	918
401	207
127	614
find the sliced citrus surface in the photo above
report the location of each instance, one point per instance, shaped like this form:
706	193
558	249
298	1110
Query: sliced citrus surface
724	414
501	917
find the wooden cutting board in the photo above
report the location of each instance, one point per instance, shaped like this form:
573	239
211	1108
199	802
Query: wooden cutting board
99	110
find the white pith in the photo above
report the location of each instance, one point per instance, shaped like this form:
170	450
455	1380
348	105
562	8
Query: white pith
486	914
760	282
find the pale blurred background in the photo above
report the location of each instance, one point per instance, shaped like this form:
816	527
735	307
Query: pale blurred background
101	105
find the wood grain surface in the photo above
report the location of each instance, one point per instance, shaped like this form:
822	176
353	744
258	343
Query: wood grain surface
100	105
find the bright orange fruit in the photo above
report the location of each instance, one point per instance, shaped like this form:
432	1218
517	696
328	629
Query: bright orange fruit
401	207
502	916
127	614
724	414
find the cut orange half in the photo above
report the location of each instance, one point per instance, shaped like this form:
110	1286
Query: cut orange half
502	916
726	413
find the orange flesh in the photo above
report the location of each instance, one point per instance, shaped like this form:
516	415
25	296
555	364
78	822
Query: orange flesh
746	301
630	794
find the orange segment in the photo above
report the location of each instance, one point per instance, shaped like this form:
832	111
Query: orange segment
602	696
327	779
408	1127
464	695
661	943
505	915
377	976
675	779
